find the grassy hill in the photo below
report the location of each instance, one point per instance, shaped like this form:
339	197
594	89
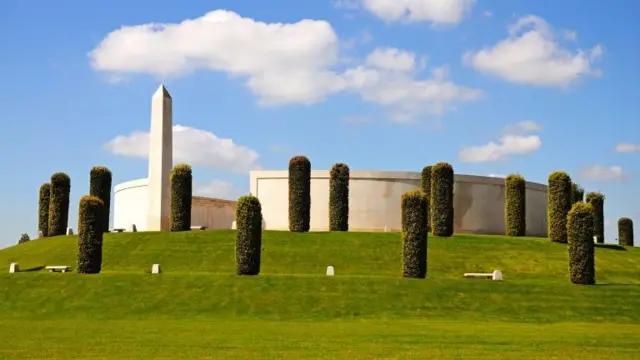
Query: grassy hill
198	308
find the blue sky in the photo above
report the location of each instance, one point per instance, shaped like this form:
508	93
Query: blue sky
377	84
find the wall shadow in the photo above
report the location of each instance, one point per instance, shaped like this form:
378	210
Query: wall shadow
37	268
611	247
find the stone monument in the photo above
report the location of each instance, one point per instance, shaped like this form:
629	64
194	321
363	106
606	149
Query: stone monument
160	160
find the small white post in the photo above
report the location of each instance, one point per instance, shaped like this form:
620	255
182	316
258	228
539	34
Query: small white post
40	234
330	271
595	239
69	231
14	268
155	269
234	226
497	275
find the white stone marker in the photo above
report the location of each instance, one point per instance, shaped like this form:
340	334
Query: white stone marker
234	226
69	231
155	269
497	275
40	234
160	160
330	271
595	239
14	268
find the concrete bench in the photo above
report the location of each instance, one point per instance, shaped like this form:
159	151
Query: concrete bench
198	227
495	275
116	230
61	268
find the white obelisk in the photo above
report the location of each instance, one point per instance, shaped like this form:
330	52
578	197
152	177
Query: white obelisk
160	160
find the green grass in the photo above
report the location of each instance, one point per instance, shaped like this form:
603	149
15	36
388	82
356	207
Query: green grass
199	309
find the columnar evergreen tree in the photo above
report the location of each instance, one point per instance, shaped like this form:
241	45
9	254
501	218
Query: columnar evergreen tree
249	235
625	231
181	198
100	179
581	247
59	204
558	205
426	187
442	178
339	198
414	235
299	194
43	208
90	214
596	200
577	193
515	205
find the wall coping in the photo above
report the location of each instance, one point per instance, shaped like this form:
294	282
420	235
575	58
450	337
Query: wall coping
131	184
391	175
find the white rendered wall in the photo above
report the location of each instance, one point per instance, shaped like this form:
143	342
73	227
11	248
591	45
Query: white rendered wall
130	202
375	198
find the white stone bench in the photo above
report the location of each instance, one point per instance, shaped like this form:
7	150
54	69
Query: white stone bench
198	227
495	275
14	268
116	230
61	268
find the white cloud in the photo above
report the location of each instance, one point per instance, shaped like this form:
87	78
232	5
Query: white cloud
523	127
283	63
219	189
192	146
601	173
448	12
488	14
509	144
345	4
531	55
627	148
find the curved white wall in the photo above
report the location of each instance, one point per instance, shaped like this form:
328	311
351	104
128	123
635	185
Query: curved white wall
374	201
130	204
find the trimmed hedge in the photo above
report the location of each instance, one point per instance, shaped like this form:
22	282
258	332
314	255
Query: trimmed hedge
59	204
43	208
249	235
90	215
596	200
426	187
441	199
580	243
515	205
577	193
181	198
339	198
558	205
414	235
625	231
100	179
299	194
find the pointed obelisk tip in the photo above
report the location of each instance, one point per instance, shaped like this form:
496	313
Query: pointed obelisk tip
162	91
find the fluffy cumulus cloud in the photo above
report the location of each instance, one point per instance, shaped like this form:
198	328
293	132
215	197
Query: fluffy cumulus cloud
532	54
627	148
219	189
515	141
192	146
282	63
449	12
599	173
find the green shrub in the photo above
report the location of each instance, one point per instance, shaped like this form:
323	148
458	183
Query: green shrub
100	186
596	200
249	235
339	198
577	193
625	231
59	204
299	194
558	205
90	214
43	208
581	247
181	197
414	234
442	179
515	205
426	187
24	238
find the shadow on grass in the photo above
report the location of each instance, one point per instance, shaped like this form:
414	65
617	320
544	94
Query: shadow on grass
37	268
611	247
